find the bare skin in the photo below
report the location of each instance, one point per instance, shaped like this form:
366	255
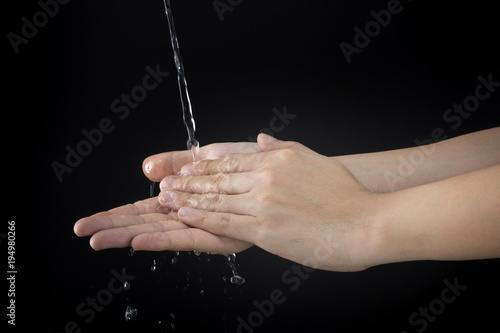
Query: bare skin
341	213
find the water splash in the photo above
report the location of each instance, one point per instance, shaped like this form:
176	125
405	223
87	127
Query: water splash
236	278
130	313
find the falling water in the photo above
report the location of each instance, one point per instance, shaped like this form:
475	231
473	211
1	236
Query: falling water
187	113
236	278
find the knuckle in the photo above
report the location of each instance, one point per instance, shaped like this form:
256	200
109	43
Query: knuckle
219	183
270	176
190	239
201	167
265	199
209	201
181	183
154	241
288	154
158	227
261	232
229	163
225	223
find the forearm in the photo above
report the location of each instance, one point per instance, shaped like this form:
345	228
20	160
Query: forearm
404	168
454	219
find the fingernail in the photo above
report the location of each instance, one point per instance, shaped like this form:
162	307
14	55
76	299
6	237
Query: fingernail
185	211
167	183
187	169
166	197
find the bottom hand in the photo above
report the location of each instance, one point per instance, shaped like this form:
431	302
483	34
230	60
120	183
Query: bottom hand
145	225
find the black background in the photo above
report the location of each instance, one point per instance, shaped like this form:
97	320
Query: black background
264	55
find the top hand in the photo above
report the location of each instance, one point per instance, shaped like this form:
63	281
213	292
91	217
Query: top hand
292	202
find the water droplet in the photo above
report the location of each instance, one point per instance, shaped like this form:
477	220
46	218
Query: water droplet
130	313
196	253
202	292
174	260
238	280
172	315
224	279
153	266
177	253
172	326
126	286
132	251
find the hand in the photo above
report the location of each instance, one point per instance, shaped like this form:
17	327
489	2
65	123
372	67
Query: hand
146	225
292	202
159	166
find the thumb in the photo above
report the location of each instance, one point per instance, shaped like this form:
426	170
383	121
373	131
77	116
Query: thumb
269	143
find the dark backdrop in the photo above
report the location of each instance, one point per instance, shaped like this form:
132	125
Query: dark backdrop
263	55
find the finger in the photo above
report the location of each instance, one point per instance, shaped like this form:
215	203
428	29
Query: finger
190	239
88	225
229	164
92	224
238	204
146	206
159	166
237	183
122	237
269	143
241	227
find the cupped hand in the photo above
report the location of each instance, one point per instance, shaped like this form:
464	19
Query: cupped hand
291	202
156	228
146	225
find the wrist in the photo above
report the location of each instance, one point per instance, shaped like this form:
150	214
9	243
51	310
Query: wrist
394	233
373	241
